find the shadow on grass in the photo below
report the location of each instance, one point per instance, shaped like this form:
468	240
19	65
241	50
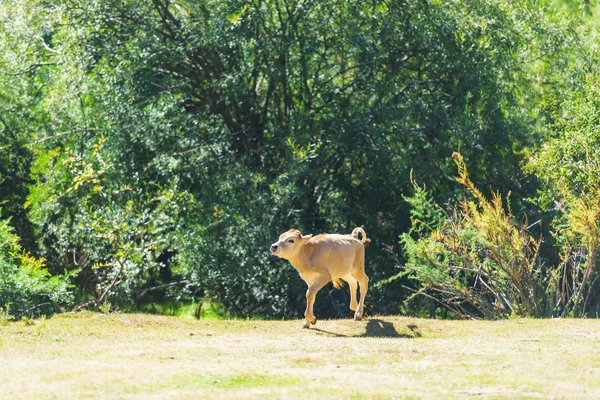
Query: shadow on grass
379	328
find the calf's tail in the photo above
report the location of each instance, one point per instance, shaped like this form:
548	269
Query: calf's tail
365	241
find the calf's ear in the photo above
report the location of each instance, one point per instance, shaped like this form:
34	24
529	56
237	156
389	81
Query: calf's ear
306	237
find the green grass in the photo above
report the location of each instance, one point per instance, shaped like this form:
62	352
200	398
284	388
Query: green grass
209	310
143	356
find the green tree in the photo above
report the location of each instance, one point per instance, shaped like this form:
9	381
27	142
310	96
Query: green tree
202	129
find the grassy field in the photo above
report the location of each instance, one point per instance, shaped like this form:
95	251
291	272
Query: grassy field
143	356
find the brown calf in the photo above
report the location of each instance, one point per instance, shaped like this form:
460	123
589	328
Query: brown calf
325	258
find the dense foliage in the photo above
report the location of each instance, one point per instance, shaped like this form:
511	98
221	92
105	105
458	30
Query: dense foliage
150	151
27	287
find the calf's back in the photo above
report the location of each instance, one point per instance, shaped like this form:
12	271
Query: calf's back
336	253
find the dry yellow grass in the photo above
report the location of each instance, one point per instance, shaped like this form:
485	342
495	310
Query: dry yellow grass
143	356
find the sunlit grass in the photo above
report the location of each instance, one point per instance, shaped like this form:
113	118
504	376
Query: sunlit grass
137	356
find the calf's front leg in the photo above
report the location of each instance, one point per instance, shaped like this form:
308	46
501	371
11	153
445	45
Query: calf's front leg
311	294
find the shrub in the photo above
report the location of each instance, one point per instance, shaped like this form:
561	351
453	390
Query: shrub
477	261
568	165
27	287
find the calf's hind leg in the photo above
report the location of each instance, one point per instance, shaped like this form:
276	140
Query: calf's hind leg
363	280
353	289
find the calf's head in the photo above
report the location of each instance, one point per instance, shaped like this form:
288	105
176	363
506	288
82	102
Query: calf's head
289	244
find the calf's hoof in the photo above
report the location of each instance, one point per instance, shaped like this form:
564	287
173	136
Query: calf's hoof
357	317
306	325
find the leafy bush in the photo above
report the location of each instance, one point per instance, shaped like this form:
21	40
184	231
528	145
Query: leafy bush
27	289
569	166
109	235
477	262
